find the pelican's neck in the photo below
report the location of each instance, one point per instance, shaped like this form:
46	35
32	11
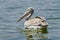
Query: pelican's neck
29	16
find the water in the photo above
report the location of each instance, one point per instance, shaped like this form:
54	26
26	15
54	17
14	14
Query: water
11	10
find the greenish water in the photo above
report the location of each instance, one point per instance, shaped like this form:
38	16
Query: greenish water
34	34
11	10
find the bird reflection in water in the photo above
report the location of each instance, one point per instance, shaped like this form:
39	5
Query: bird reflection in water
34	34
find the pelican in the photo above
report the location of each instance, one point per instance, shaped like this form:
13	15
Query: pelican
35	22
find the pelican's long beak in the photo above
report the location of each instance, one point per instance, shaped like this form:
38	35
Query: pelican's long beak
26	14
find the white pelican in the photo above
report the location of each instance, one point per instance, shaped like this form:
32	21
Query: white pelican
35	22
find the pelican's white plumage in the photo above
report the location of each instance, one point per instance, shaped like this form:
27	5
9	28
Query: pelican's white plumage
35	22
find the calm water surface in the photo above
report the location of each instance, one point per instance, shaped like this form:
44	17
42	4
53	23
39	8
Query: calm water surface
11	10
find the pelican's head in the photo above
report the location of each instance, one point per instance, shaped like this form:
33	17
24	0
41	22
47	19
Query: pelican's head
30	9
27	14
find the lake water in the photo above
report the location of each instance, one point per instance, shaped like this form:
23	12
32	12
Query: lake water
11	10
